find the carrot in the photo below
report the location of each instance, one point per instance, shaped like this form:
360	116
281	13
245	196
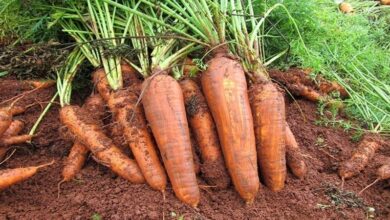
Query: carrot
15	128
5	120
385	2
165	111
203	128
40	84
294	157
382	173
130	116
19	139
89	133
75	161
94	105
359	159
9	177
269	122
194	147
225	88
346	7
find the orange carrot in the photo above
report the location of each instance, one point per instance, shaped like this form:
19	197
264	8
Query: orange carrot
89	133
294	157
385	2
165	111
19	139
359	159
75	161
9	177
225	88
40	84
270	129
203	127
195	155
382	173
131	118
5	120
15	128
94	105
346	7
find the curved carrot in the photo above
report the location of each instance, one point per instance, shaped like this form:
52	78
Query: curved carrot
131	118
225	88
270	129
89	133
164	109
75	161
359	159
14	128
294	157
203	127
9	177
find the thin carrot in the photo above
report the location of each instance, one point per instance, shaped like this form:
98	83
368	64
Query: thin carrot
19	139
75	161
205	133
165	111
9	177
382	173
359	159
225	88
131	118
15	128
89	133
40	84
294	157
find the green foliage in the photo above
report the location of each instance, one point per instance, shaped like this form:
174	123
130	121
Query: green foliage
353	49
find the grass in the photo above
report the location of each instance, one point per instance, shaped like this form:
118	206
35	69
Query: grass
351	49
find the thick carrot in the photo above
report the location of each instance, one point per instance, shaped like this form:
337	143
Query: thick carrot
165	111
270	129
382	173
294	157
89	133
359	159
131	118
225	88
19	139
9	177
15	128
203	128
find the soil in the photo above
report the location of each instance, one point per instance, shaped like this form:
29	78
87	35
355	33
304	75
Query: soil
97	192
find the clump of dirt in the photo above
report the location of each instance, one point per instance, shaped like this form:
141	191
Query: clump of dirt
100	193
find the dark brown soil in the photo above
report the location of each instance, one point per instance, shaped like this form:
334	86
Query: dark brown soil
98	192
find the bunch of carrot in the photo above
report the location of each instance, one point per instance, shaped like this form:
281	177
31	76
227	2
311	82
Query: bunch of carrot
234	128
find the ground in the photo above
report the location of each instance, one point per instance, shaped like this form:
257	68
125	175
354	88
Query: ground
98	193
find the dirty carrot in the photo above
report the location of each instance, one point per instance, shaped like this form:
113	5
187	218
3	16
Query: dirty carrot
18	139
364	152
130	116
203	127
9	177
89	133
15	128
382	173
294	157
40	84
269	122
165	111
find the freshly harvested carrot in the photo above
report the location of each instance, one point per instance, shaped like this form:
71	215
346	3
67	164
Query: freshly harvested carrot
9	177
382	173
225	88
15	128
270	129
5	120
205	133
94	105
75	161
165	111
89	133
294	157
19	139
359	159
131	118
40	84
